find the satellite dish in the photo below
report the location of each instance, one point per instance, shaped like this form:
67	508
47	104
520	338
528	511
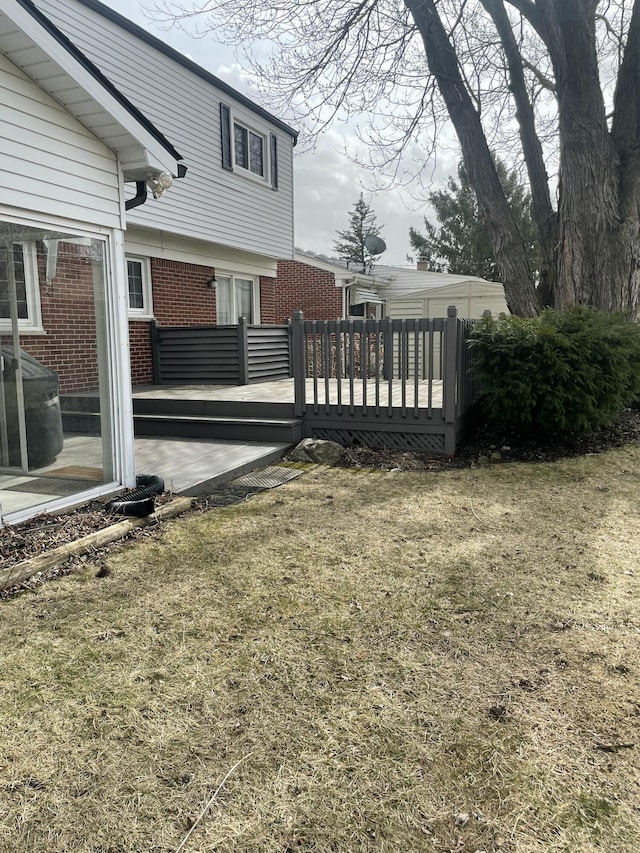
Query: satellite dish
375	245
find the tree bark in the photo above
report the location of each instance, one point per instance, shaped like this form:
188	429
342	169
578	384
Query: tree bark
625	132
544	215
508	246
598	241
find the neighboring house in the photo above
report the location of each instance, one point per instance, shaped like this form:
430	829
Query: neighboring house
70	142
207	251
325	289
422	293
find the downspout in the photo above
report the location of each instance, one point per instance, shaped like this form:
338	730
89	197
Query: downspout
139	198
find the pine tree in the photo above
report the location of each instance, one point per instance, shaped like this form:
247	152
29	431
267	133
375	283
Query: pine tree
460	243
350	245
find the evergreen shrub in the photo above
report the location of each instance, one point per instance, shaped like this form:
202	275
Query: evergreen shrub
564	371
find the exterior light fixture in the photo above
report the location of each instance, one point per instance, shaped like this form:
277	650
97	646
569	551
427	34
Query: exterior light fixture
159	183
211	282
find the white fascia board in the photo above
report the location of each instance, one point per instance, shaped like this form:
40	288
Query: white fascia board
148	242
141	156
326	266
343	276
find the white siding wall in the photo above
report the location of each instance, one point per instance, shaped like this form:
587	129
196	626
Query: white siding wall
210	203
153	244
51	163
471	299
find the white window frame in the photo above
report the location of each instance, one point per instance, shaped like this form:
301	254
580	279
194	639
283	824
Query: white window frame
146	312
266	164
32	323
255	296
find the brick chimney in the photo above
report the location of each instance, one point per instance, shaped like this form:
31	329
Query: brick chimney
422	265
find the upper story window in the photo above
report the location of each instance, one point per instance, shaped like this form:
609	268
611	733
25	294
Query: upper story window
247	150
25	269
139	285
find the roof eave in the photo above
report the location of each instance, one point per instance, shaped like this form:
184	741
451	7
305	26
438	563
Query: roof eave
142	150
183	60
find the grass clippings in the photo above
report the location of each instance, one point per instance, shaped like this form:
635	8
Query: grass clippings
412	662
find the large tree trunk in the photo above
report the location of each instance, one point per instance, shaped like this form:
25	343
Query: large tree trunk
625	132
599	242
506	240
544	215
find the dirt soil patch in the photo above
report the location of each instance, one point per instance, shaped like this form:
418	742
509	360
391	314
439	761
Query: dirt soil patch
360	660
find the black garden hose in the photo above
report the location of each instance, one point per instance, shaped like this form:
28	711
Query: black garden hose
139	502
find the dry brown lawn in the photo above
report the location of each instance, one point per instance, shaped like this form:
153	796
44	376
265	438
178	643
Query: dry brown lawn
400	662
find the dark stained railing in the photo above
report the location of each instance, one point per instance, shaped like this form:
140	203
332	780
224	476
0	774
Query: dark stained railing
397	383
383	383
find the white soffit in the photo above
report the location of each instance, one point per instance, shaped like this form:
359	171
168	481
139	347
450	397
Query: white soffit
36	46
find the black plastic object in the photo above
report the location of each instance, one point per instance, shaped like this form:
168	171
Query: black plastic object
139	502
42	413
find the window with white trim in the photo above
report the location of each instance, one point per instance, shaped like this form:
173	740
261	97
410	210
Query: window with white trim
247	150
25	267
139	282
236	296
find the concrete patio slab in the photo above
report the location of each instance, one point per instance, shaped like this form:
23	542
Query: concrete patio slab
191	467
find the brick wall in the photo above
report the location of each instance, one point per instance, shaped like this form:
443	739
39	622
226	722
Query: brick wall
140	353
180	294
305	288
268	300
68	316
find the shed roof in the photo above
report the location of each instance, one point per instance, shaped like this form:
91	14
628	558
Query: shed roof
404	280
340	270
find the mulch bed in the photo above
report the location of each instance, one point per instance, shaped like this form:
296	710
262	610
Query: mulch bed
492	445
44	532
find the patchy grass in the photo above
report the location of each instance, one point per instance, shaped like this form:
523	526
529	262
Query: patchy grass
405	662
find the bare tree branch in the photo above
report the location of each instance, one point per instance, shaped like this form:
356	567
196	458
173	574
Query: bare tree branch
548	83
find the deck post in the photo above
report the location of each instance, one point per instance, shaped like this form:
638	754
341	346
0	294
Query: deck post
298	362
387	343
287	323
154	334
450	364
453	329
243	352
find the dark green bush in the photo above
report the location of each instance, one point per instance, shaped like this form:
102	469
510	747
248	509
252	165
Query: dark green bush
565	371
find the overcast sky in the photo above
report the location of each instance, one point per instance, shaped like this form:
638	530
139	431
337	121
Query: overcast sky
327	182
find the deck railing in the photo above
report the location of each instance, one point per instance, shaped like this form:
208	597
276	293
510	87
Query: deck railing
402	384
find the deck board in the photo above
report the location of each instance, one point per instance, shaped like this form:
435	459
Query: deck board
282	391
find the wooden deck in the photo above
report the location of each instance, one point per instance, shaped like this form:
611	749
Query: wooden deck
282	391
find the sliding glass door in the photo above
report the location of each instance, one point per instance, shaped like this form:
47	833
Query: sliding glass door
56	436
